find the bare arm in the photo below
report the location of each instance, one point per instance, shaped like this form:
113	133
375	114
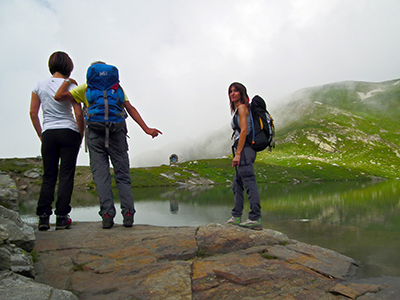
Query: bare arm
62	93
242	111
138	119
34	113
79	116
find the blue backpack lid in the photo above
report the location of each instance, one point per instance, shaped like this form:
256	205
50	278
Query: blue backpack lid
102	76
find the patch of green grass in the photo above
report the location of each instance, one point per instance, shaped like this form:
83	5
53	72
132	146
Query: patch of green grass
35	256
268	256
79	267
19	165
202	253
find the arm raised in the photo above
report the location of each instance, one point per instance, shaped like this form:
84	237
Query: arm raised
62	93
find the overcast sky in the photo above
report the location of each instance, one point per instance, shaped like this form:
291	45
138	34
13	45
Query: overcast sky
177	57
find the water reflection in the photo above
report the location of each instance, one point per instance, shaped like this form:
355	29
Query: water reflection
358	219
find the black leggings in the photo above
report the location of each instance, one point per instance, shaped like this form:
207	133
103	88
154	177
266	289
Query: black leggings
58	144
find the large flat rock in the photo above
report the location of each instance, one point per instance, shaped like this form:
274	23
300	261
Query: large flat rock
206	262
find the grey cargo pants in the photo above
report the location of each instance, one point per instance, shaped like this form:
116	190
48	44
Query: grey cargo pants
245	178
117	152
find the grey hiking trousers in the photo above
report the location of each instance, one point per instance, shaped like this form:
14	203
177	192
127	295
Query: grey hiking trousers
100	156
245	179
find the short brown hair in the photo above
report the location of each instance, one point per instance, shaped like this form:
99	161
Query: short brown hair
60	62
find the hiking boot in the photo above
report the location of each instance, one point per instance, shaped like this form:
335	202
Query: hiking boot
108	221
44	223
256	225
63	222
234	220
128	219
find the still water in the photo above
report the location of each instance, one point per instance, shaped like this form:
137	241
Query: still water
358	219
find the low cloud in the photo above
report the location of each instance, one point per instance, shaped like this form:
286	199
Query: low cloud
177	58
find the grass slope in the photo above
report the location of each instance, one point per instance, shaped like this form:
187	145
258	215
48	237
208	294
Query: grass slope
349	129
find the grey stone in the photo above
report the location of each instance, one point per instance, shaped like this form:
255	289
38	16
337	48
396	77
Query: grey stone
5	258
4	234
21	262
20	234
17	287
33	173
8	192
17	239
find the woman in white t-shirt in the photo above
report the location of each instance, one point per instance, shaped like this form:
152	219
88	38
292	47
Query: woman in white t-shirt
61	136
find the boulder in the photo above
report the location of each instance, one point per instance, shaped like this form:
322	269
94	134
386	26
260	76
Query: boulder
8	192
20	233
33	173
21	262
17	240
217	238
17	271
17	287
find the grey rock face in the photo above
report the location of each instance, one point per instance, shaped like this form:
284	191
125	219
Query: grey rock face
17	287
20	234
8	192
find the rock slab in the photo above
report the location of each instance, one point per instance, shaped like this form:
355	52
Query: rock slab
207	262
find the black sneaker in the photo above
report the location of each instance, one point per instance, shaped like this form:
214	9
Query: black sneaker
44	223
108	221
128	219
63	222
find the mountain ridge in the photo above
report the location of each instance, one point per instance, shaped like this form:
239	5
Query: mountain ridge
350	123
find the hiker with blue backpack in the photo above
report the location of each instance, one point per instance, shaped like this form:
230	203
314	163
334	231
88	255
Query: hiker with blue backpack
61	137
243	159
106	104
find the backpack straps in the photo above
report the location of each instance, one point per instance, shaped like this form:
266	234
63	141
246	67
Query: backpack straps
249	138
105	97
252	128
86	113
107	137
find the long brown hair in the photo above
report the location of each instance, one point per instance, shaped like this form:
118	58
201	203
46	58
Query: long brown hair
244	98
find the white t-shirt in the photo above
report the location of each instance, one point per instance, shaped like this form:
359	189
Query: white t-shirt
56	114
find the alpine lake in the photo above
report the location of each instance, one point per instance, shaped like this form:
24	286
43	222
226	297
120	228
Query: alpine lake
360	219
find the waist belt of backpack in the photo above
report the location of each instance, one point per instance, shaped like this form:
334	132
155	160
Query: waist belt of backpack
85	110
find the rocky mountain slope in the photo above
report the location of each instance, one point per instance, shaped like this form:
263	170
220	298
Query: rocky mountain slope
351	125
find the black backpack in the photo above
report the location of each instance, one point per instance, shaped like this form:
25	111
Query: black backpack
262	124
